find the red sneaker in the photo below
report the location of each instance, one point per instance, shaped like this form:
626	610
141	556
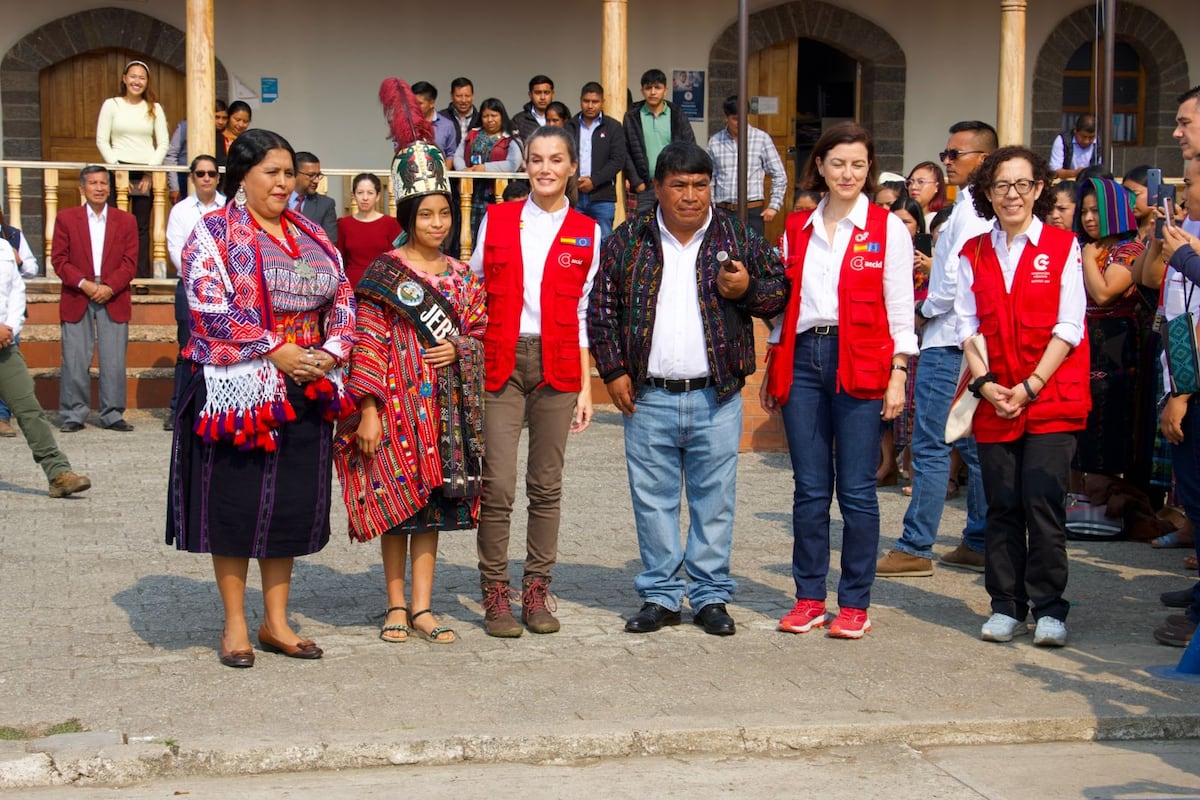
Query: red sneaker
804	616
851	623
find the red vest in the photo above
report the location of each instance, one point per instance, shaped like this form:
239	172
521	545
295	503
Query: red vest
865	343
563	278
1017	327
499	149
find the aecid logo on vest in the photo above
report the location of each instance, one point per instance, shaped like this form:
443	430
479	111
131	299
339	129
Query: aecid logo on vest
859	263
1041	265
568	261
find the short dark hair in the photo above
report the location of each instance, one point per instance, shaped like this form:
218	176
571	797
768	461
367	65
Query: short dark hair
459	83
247	151
219	105
366	176
912	208
553	132
539	79
653	76
1191	94
1137	174
240	105
1067	187
682	158
1094	171
199	158
841	133
730	105
91	169
1085	123
515	190
406	209
985	135
425	89
305	157
559	108
592	87
985	174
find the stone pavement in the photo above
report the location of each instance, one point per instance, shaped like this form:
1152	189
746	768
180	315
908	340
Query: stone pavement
104	623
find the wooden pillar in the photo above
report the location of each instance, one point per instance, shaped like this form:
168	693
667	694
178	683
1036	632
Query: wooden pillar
1010	104
614	74
201	78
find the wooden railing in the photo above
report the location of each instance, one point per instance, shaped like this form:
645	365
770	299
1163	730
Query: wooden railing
16	172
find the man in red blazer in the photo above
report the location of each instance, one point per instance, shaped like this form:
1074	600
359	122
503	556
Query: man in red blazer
95	255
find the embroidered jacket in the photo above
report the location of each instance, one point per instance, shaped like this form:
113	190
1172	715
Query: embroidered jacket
624	300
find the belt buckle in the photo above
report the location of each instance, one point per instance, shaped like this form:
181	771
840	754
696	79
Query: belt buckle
687	384
822	330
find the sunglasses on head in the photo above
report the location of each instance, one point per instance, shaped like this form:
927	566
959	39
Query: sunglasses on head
205	173
954	155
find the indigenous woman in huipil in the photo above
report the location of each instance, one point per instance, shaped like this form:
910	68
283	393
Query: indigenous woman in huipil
410	460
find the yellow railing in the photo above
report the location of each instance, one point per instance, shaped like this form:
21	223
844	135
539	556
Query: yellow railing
15	172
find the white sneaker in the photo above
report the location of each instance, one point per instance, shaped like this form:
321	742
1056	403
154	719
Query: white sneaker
1002	628
1050	632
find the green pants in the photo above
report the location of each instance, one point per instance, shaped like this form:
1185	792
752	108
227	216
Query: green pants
16	389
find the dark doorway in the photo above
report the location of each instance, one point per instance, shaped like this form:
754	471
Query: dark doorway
827	92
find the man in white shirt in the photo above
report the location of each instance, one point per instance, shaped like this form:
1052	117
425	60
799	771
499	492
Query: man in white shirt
16	384
28	265
673	339
937	377
184	216
1072	153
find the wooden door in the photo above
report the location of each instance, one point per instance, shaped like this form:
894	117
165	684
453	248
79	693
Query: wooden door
772	73
71	94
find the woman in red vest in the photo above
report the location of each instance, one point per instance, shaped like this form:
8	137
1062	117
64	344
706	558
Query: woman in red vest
537	259
837	365
1021	287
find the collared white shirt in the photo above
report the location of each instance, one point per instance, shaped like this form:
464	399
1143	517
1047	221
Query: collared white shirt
964	224
184	216
1081	157
12	290
585	144
1072	297
96	226
538	231
677	345
823	269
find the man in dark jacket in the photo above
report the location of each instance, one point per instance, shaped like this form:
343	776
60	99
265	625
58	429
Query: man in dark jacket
601	143
533	115
650	126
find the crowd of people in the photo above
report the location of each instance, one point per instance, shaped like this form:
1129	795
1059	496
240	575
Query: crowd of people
312	344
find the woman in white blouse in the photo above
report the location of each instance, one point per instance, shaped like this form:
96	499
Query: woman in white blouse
837	365
132	129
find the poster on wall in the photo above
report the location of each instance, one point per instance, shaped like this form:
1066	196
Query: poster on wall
687	92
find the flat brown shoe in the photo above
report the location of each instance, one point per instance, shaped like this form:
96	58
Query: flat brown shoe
305	648
238	659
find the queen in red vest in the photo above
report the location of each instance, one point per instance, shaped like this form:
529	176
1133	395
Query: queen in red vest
537	258
837	365
1021	289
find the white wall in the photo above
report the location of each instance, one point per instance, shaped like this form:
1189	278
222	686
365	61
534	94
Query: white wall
330	57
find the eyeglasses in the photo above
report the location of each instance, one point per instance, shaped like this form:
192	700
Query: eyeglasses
1023	187
954	155
919	182
205	173
313	176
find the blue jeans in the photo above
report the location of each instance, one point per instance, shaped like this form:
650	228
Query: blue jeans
603	212
687	441
833	439
933	393
1185	463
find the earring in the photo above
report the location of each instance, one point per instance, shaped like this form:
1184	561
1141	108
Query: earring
239	199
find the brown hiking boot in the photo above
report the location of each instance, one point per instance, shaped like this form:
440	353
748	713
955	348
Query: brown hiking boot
498	619
963	557
65	483
536	605
6	429
903	565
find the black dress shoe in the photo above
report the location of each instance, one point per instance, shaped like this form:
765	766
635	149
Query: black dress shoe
650	618
715	620
169	424
1180	599
71	427
120	425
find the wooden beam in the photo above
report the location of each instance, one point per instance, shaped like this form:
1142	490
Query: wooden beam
201	78
1010	94
614	75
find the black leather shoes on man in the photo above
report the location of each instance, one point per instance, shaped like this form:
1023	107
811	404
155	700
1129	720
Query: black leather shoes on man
715	620
650	618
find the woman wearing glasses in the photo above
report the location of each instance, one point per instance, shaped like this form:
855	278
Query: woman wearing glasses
927	185
1021	287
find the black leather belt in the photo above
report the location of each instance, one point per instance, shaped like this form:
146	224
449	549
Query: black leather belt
822	330
733	206
679	385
